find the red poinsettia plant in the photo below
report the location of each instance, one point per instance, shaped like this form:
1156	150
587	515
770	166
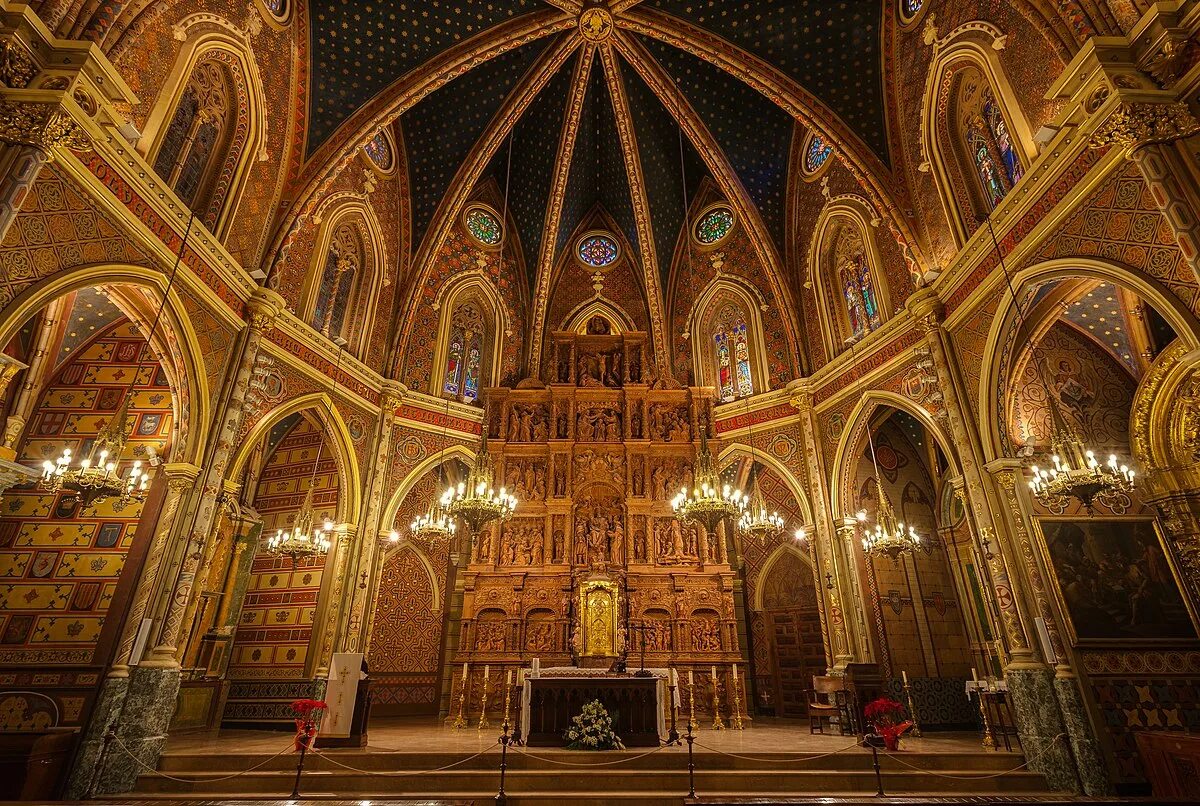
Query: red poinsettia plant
888	718
308	713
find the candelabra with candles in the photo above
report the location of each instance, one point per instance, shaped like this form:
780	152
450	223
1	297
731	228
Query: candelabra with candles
475	500
755	521
96	478
436	523
1076	472
302	540
710	501
890	537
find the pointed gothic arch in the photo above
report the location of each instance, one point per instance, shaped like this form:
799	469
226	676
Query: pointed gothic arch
209	123
726	330
472	324
846	270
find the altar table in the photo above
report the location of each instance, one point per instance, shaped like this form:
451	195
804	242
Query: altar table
636	705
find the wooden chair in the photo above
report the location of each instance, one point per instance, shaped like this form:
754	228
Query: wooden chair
828	699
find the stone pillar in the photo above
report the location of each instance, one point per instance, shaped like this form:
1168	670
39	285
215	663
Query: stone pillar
1147	133
352	624
181	477
824	539
1030	681
1084	744
336	566
30	132
154	685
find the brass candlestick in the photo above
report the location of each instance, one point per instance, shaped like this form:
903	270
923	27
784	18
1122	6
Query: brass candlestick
717	724
483	720
507	697
460	722
912	712
692	709
735	721
988	739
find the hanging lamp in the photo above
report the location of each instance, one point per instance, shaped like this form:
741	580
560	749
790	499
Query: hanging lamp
755	521
97	477
1073	470
710	500
436	523
304	539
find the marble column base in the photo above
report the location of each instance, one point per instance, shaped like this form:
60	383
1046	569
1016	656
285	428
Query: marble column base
1039	724
1089	758
142	728
87	756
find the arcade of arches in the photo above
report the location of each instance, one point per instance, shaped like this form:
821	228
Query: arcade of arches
304	260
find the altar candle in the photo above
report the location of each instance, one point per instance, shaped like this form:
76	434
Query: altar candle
674	677
904	674
735	672
486	671
691	681
714	673
508	678
465	665
974	677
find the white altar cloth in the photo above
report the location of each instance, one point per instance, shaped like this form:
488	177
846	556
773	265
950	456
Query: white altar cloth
660	690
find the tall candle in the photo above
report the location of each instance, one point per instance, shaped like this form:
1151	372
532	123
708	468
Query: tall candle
904	674
465	665
508	678
674	677
486	671
714	673
691	681
735	671
974	677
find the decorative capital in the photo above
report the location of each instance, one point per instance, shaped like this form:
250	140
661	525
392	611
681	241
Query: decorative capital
800	395
17	67
394	393
45	126
926	308
1134	125
264	307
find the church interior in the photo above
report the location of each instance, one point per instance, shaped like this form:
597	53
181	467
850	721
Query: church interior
780	400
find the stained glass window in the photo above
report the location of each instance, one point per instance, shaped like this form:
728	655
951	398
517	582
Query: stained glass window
862	307
379	151
816	152
598	251
464	354
714	225
988	142
337	281
909	8
1003	141
732	345
484	226
192	150
985	168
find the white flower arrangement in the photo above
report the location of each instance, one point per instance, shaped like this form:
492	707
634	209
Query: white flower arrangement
592	730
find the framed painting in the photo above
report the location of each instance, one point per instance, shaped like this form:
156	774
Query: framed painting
1115	581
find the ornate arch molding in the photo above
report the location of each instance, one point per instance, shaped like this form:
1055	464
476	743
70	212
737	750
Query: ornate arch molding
720	289
736	450
474	284
389	512
333	213
599	306
336	434
1164	427
849	449
1001	340
972	44
852	210
781	551
176	338
204	36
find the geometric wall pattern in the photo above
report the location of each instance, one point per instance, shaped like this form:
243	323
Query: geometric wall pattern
60	562
273	635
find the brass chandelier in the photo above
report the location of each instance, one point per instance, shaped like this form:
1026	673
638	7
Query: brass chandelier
475	500
755	521
710	501
97	477
437	524
1072	470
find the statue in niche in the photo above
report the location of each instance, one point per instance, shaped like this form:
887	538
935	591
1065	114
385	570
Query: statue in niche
564	364
635	422
485	546
638	477
560	480
580	542
711	537
706	636
639	546
562	424
612	375
635	365
557	546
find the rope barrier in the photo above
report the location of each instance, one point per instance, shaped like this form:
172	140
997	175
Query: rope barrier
290	746
780	760
937	774
592	763
397	773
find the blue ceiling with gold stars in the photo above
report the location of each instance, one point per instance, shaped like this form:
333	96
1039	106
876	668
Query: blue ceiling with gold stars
832	48
441	130
754	133
359	48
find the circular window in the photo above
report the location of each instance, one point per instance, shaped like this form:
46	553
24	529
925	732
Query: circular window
909	9
713	225
278	12
379	151
484	225
816	156
598	250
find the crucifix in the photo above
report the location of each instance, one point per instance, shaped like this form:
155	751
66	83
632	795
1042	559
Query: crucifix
641	628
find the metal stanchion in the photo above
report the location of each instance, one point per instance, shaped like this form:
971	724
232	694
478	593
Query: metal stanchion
691	763
505	739
308	726
673	733
871	740
109	735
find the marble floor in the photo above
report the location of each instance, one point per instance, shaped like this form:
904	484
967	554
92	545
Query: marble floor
429	735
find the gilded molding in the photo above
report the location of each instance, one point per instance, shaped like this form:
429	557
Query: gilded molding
44	126
1134	125
17	67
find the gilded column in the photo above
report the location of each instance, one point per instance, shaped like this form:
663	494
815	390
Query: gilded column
354	618
336	567
39	364
824	537
1031	683
1147	133
31	131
